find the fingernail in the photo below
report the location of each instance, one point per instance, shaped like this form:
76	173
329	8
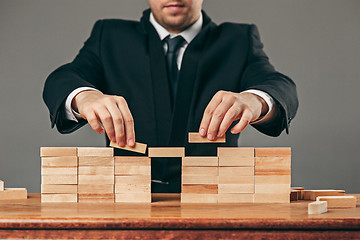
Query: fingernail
131	142
210	137
202	132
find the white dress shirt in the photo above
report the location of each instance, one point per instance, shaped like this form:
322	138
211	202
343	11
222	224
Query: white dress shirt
188	34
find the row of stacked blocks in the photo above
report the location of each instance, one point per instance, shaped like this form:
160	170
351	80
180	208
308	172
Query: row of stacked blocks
236	175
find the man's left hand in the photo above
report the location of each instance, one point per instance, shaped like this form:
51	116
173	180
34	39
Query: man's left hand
225	108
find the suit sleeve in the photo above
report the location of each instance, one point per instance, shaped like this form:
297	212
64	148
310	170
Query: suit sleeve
85	70
259	74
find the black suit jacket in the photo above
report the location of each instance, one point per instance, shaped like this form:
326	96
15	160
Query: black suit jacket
126	58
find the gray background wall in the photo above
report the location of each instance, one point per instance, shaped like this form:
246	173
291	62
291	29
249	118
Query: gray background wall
314	42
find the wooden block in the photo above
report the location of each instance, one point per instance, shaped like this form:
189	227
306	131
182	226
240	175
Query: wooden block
58	170
133	197
236	156
317	207
1	185
195	137
235	198
139	147
68	161
58	151
198	198
59	188
167	152
133	179
273	179
200	188
95	152
307	194
338	201
96	170
13	194
200	161
96	198
236	188
273	152
200	179
200	171
59	179
96	161
230	179
272	166
133	188
316	193
294	195
96	179
273	188
96	188
271	198
236	171
52	198
133	161
301	194
132	170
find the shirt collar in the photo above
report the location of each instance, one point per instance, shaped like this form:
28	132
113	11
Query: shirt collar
188	34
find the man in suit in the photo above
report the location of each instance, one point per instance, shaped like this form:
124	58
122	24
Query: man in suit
172	73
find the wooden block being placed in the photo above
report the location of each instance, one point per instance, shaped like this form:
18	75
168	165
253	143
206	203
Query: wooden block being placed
272	165
236	171
58	170
301	194
200	171
13	194
96	170
133	161
58	151
231	179
67	161
273	188
200	161
59	179
133	197
132	170
273	152
236	156
198	198
200	188
167	152
338	201
139	147
200	179
294	195
1	185
235	198
133	179
316	193
52	198
236	188
96	179
317	207
133	188
95	188
96	198
95	152
271	198
96	161
273	179
59	188
195	137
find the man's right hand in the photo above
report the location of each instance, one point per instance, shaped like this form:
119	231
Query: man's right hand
112	112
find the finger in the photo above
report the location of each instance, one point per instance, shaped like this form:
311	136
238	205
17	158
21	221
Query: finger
94	122
209	111
243	123
107	122
231	115
118	123
129	123
217	118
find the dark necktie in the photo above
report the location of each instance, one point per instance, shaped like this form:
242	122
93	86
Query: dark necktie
171	58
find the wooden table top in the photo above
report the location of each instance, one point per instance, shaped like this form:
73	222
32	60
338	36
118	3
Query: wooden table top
166	212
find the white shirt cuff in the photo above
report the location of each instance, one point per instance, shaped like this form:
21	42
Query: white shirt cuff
69	112
269	101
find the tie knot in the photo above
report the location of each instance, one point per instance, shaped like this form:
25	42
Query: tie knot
174	43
